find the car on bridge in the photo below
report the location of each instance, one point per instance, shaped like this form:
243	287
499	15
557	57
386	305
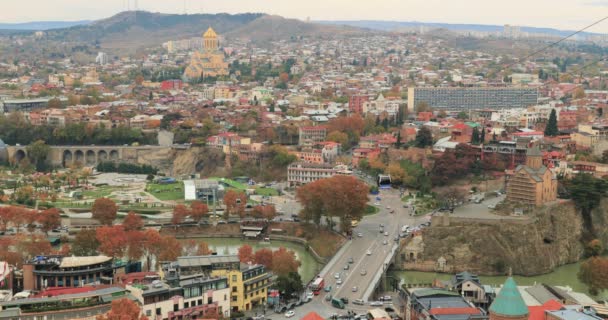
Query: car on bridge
363	272
355	289
290	314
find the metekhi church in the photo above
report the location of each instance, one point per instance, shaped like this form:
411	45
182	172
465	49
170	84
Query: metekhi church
209	62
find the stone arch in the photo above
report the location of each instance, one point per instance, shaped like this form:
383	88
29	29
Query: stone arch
90	157
102	156
79	156
114	155
19	155
67	158
412	256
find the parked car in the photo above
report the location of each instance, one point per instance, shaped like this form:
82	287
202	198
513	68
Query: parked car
359	302
376	303
290	314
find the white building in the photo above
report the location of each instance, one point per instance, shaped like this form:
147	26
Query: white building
102	58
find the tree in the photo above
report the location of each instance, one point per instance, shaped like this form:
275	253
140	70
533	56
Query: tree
594	273
339	137
245	253
85	243
104	210
289	284
170	249
135	249
112	240
398	142
198	210
32	245
38	152
423	107
123	309
579	93
54	103
551	127
397	173
180	212
49	219
132	222
151	246
475	136
203	249
482	137
284	261
462	115
594	248
424	138
235	203
587	192
263	257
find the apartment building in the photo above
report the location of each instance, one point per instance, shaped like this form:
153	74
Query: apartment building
473	98
309	135
300	173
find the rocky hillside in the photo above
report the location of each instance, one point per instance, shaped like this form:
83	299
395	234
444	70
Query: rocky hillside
553	239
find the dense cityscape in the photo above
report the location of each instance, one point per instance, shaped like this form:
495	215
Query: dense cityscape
249	166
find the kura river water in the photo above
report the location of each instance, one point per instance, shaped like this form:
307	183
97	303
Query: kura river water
562	276
308	268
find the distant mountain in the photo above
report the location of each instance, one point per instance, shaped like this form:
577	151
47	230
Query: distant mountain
136	29
271	27
399	25
41	25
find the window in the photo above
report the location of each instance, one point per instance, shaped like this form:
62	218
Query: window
148	313
225	297
234	289
186	305
175	307
234	298
200	302
209	300
234	278
158	311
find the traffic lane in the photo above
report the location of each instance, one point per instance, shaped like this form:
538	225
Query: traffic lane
349	282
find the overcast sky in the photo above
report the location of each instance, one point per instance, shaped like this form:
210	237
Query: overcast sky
560	14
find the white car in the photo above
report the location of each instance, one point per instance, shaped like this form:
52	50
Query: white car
360	235
384	242
376	203
376	303
363	272
337	275
386	233
290	314
369	253
339	281
388	207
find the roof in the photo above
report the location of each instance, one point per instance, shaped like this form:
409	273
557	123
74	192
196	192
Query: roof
509	301
71	262
572	315
534	152
538	312
210	33
312	316
195	261
469	310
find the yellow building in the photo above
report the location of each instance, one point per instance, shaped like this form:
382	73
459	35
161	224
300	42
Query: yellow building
209	62
248	283
532	183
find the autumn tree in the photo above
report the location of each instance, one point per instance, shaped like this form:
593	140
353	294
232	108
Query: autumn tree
112	240
339	137
132	222
49	219
203	249
594	248
245	253
180	212
104	210
85	243
151	246
123	309
284	261
170	249
264	212
264	257
198	210
397	173
594	273
32	245
134	244
235	203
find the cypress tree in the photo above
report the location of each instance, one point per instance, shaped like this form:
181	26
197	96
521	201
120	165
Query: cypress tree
475	136
482	139
551	128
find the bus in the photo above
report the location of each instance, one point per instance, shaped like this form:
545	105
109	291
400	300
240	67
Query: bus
337	303
317	285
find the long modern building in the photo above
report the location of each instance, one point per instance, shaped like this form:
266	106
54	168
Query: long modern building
473	98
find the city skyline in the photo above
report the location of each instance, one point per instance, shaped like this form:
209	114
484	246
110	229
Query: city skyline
540	13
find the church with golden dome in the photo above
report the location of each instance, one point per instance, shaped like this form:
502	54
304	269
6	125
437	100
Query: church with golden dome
209	62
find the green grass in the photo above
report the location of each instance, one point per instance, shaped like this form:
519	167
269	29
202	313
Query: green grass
266	192
232	183
370	210
99	192
166	192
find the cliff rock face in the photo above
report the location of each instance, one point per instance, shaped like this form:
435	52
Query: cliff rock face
203	160
552	238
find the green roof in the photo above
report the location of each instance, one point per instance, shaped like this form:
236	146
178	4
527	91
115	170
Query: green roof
509	301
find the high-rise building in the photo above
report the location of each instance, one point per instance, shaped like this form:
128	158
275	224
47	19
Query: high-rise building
473	98
510	31
102	58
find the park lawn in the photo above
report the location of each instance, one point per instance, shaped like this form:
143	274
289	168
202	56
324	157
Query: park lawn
166	192
370	210
266	192
100	192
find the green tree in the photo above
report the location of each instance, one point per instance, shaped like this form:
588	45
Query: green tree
551	128
587	192
424	138
475	136
54	103
289	285
462	115
38	152
85	243
482	138
398	142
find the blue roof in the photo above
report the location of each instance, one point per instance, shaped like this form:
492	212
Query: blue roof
509	301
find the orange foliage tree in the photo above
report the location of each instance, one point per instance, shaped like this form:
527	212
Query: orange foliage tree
112	240
123	309
49	219
170	249
104	210
198	210
594	273
235	203
284	261
180	212
263	257
133	221
245	253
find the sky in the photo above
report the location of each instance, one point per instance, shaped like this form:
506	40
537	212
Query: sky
559	14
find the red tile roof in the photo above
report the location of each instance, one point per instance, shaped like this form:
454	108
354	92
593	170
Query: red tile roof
469	310
312	316
538	312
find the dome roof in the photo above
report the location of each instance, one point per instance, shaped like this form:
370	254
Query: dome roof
509	302
210	33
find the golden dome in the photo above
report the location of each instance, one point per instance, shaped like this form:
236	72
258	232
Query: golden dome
210	33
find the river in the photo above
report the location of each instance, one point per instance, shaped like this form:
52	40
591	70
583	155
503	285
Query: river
565	275
309	267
